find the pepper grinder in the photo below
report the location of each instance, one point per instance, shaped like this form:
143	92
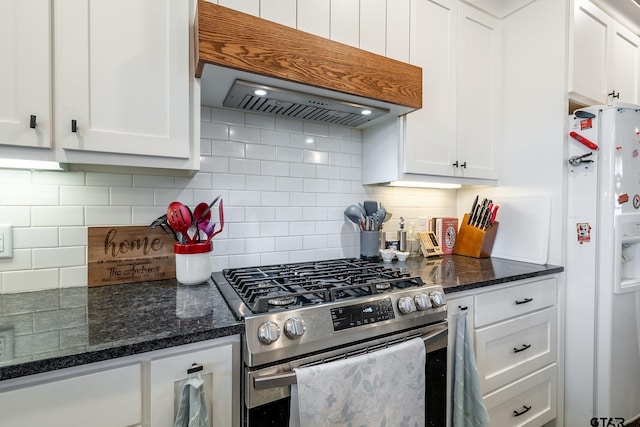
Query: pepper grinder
402	237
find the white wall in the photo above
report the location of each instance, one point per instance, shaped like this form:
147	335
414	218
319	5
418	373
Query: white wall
285	185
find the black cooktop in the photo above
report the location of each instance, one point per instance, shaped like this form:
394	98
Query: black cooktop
285	286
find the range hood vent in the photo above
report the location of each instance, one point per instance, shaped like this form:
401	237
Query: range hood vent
308	77
297	105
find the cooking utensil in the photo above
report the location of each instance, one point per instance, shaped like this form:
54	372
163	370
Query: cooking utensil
353	213
207	211
221	215
370	207
201	212
161	222
180	218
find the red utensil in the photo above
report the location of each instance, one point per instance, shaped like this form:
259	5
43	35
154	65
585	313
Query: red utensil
221	214
201	213
180	218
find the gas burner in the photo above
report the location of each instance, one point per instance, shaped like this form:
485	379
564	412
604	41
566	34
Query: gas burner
282	301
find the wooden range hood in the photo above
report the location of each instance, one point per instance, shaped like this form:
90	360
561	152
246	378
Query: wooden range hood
232	45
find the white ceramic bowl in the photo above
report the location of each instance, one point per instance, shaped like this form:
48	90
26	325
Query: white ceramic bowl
387	254
402	256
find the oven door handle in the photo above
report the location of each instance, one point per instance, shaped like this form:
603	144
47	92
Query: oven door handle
289	378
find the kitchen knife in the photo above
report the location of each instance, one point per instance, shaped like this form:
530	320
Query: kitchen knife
473	208
481	212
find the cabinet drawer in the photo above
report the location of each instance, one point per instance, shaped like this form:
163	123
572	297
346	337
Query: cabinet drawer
500	305
508	406
510	350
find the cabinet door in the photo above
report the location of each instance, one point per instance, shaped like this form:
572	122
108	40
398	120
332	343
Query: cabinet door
221	384
122	74
25	72
431	132
625	53
455	306
111	398
479	93
589	53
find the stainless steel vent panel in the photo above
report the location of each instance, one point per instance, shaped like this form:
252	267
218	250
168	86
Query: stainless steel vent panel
296	105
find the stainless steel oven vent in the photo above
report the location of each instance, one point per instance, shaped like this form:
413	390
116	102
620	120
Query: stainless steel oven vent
274	101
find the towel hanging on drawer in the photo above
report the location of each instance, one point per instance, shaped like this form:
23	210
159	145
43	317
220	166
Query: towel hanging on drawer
192	411
468	405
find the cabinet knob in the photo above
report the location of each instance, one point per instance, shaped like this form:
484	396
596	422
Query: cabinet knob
32	122
614	94
74	126
455	165
464	165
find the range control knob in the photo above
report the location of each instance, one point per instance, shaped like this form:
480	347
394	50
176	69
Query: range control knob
294	327
437	299
423	302
406	305
268	332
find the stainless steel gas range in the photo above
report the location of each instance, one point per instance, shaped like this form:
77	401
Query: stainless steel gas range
315	312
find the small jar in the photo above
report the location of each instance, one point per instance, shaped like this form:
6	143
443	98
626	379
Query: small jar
192	262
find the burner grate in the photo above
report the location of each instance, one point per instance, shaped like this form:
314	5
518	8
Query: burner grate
283	286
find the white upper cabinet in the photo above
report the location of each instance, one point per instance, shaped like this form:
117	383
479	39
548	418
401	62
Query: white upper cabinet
603	57
122	77
457	132
25	73
479	94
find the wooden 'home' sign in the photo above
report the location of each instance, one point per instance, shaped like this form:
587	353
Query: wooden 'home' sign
129	254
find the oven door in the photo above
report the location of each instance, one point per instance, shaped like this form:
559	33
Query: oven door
267	389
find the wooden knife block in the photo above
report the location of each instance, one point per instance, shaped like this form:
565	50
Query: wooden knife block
475	242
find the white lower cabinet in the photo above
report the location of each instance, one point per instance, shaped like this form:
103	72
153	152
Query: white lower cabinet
515	337
107	398
140	390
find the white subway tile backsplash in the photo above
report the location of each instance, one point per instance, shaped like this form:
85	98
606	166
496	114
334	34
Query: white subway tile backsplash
108	215
302	170
57	216
289	243
316	157
288	184
210	130
244	166
130	196
59	257
21	260
261	183
18	216
260	214
106	179
59	178
302	228
271	168
285	185
260	121
288	154
243	231
272	229
84	196
73	277
74	236
274	198
35	237
30	195
274	137
292	213
244	134
260	152
228	181
258	245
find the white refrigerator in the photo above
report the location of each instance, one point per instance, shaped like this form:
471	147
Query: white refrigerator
602	363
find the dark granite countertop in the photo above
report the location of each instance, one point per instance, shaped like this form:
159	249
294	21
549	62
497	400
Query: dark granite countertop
53	329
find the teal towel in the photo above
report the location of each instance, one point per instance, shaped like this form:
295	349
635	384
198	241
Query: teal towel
468	406
192	411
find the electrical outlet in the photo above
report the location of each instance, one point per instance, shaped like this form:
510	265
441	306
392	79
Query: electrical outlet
6	344
6	241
